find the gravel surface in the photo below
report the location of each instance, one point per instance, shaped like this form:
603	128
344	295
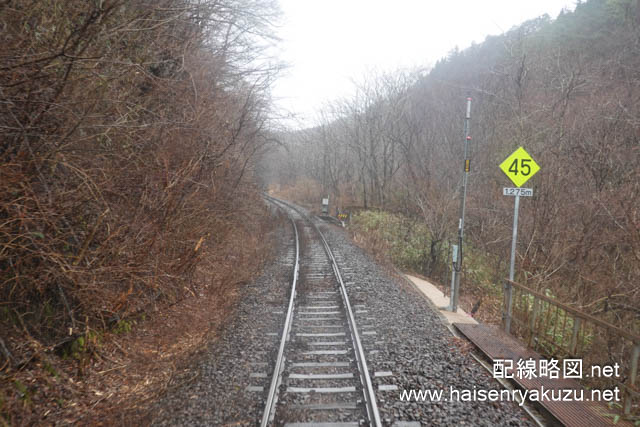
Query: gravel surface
408	339
406	345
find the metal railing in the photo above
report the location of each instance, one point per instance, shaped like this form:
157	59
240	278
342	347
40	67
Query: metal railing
558	330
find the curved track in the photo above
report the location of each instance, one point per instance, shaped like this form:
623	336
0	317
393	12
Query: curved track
320	376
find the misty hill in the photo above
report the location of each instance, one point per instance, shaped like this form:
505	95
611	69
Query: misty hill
567	90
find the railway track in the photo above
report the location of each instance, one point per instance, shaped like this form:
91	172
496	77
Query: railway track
314	373
320	375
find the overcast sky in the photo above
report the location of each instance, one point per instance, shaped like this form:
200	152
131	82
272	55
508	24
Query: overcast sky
328	44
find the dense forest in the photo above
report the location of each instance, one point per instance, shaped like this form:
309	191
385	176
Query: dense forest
567	90
129	133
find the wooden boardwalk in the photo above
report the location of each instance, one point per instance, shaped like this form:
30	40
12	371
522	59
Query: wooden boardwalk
497	345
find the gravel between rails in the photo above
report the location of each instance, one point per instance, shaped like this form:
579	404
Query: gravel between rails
401	333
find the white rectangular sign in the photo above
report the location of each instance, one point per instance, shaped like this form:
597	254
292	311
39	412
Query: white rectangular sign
523	192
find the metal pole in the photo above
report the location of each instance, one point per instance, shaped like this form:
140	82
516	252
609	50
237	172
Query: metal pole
454	259
467	168
573	345
509	296
635	355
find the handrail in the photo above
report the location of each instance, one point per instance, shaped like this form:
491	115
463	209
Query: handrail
630	336
578	323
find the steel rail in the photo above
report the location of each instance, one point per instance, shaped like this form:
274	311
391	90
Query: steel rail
277	372
365	378
370	395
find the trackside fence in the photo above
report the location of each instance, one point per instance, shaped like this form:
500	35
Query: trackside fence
558	330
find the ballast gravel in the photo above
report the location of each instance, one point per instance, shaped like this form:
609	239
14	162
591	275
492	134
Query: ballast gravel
409	341
406	345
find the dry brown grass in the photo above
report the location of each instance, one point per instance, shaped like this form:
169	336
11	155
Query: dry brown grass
129	132
304	192
121	374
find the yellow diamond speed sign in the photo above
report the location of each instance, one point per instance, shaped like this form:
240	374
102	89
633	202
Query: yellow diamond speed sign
519	167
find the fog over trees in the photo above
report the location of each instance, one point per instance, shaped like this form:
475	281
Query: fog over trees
567	90
137	137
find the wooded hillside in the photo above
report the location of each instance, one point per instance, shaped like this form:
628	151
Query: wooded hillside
129	131
568	90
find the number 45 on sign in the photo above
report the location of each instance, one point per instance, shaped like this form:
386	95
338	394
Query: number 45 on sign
519	167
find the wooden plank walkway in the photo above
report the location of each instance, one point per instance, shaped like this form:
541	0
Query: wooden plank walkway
497	345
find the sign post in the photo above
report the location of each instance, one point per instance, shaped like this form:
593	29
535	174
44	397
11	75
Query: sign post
519	167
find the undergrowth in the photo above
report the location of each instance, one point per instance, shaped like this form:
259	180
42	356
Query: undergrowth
129	135
407	243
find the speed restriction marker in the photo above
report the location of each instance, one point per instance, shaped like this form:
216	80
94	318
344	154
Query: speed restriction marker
519	167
